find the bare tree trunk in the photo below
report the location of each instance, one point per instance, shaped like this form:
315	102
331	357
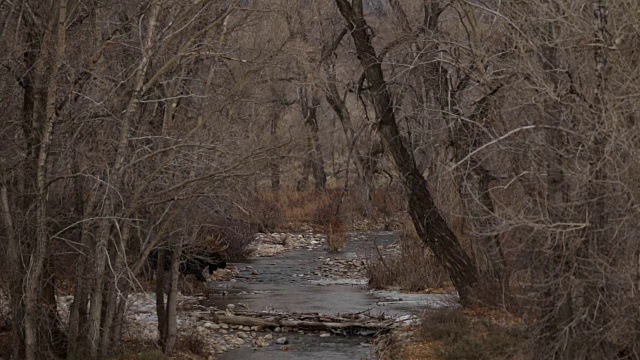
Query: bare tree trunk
95	305
171	324
274	164
310	104
429	223
15	277
37	260
95	309
78	309
556	305
474	190
365	163
160	304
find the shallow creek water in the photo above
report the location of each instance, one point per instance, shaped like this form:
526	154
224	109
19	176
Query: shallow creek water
292	282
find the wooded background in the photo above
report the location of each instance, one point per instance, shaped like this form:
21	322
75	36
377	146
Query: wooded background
510	126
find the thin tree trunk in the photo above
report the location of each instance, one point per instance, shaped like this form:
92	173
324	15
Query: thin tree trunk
171	324
95	303
274	163
160	307
78	309
310	104
15	277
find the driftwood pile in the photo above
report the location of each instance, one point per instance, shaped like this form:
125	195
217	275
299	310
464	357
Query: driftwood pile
348	324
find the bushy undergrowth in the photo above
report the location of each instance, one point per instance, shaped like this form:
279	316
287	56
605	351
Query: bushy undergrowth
412	268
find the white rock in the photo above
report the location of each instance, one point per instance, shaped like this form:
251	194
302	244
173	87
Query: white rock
268	337
282	341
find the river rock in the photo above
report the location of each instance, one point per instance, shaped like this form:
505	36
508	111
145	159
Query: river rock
242	335
260	342
282	341
268	337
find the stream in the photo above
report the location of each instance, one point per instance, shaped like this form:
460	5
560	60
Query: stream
294	282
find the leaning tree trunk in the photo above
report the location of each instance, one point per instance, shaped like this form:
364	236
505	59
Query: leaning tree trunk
429	223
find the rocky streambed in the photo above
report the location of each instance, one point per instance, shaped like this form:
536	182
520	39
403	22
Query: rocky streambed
289	274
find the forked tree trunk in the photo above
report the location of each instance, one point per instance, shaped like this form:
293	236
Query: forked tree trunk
429	223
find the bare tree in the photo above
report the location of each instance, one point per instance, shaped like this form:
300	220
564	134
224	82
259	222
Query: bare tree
430	225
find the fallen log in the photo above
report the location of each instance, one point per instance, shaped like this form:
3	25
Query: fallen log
366	326
341	327
244	321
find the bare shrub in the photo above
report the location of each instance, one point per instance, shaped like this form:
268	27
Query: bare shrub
234	235
267	212
412	268
193	343
388	201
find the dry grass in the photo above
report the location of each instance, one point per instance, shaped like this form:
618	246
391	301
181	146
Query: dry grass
188	347
288	208
471	334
